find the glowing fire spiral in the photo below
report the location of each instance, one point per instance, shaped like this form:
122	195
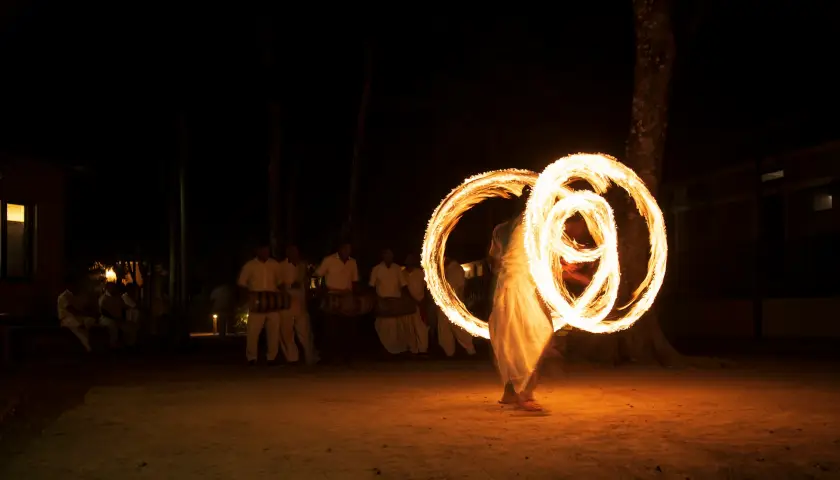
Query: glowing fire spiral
551	203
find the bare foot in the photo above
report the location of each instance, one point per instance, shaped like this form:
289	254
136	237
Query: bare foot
530	405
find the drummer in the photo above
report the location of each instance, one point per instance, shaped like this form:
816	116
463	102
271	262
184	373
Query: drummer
341	274
262	274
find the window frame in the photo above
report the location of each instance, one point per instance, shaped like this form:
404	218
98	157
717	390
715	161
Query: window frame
29	232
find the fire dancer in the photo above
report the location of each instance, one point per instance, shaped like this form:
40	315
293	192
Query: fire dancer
261	274
518	344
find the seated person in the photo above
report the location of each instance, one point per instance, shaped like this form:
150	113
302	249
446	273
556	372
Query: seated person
71	312
112	313
133	314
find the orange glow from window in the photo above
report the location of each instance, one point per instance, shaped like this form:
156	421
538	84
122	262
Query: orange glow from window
15	213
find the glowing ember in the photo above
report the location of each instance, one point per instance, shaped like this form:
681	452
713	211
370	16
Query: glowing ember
551	203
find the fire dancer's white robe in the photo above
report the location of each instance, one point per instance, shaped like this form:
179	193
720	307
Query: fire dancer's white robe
519	327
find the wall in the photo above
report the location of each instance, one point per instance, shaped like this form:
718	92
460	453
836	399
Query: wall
36	183
724	249
782	318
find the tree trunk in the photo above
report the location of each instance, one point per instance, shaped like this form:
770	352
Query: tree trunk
275	187
655	51
350	228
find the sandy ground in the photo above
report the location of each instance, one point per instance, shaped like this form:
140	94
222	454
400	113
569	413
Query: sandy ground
439	420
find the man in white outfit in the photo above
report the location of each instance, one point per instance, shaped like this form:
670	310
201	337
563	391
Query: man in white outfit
416	281
262	274
448	332
295	320
395	332
340	274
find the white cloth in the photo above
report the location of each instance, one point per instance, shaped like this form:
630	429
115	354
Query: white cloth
388	280
456	277
396	333
256	322
449	333
297	324
294	322
339	275
420	339
259	276
519	327
78	325
399	334
66	300
289	275
416	281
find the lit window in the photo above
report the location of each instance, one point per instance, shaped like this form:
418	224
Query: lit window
822	201
770	176
17	242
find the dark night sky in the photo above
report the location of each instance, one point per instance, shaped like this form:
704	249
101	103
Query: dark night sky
450	97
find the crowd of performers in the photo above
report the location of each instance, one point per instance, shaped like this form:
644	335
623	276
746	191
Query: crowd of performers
276	292
276	295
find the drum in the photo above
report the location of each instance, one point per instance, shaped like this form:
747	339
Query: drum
265	302
347	304
395	307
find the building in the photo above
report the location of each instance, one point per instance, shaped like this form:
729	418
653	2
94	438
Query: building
753	249
31	237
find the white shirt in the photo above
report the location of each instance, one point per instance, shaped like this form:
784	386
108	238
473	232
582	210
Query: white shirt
339	274
416	282
259	276
454	273
387	280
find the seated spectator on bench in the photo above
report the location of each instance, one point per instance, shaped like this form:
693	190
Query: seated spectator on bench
130	298
72	315
113	311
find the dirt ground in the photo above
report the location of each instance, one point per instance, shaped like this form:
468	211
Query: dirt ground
439	420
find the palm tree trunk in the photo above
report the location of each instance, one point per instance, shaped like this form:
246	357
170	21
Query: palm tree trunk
275	187
655	52
350	230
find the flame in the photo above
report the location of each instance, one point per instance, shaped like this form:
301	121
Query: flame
551	203
498	183
110	275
